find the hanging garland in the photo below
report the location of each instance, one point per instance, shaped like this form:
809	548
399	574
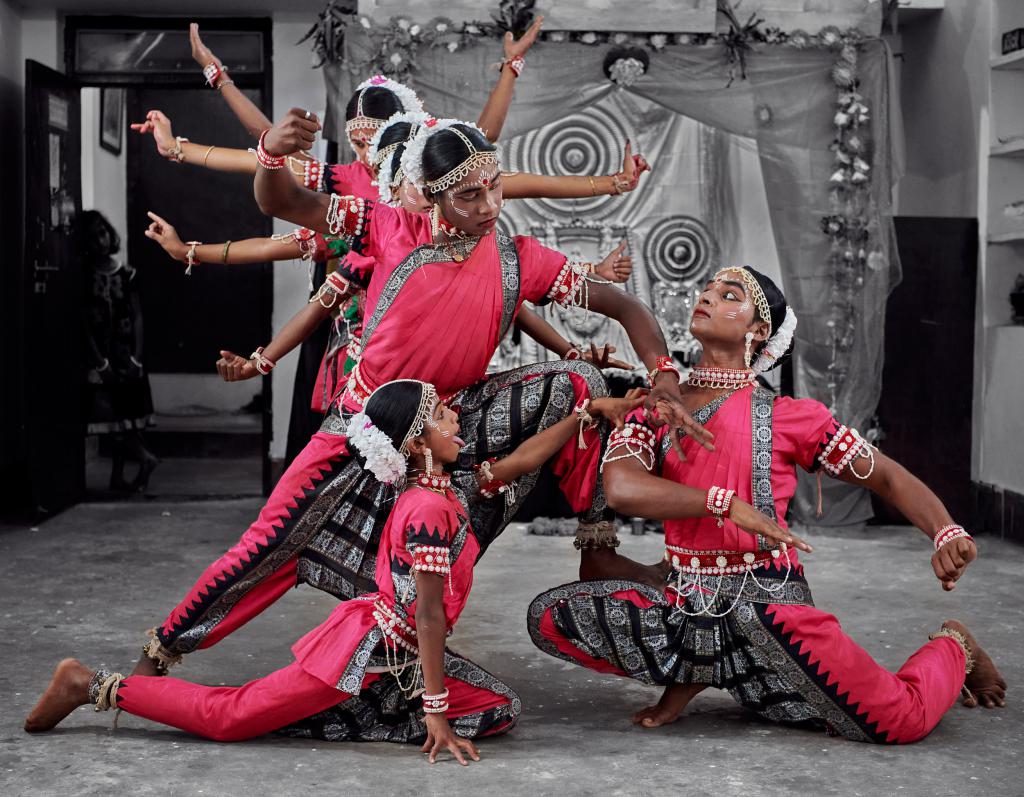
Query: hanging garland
849	225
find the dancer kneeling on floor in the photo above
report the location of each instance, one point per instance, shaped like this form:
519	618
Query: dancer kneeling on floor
735	611
377	669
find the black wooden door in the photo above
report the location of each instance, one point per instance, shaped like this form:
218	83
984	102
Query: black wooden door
928	376
53	432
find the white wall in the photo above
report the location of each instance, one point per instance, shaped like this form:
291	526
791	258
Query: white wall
943	87
296	84
104	175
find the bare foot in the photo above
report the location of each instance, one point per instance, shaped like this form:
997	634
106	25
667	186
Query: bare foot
147	666
606	563
673	700
985	684
68	689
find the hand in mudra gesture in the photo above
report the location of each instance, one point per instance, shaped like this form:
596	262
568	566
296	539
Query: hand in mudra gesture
164	234
202	54
234	367
159	125
951	560
632	167
516	48
296	132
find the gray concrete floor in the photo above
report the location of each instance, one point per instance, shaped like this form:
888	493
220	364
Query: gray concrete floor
88	583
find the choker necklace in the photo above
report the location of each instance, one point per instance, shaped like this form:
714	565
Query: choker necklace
720	378
439	483
460	249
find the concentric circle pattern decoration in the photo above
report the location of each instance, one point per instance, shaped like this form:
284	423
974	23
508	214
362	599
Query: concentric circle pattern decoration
589	142
679	249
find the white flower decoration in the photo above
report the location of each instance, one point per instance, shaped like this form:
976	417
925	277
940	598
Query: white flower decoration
406	96
382	459
778	344
385	177
442	27
365	22
415	30
588	38
453	46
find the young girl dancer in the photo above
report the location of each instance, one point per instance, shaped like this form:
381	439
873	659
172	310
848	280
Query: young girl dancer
378	668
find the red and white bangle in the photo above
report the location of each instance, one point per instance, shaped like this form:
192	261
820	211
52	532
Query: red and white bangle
516	64
718	503
190	257
949	533
840	450
212	73
435	704
265	159
664	365
263	364
346	215
432	559
574	353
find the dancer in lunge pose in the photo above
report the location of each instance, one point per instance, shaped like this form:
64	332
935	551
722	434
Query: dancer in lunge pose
440	317
378	668
734	610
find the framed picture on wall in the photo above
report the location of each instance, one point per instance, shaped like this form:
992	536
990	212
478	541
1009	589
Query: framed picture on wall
111	119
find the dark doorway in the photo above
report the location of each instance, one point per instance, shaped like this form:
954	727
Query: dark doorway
927	380
49	381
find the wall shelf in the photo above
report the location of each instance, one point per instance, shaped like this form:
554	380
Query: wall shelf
1013	149
1007	238
1009	61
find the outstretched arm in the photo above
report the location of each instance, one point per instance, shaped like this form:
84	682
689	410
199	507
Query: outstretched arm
524	185
251	117
492	117
221	159
541	447
249	250
547	336
901	488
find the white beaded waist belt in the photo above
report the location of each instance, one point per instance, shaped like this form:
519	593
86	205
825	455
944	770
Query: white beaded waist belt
717	563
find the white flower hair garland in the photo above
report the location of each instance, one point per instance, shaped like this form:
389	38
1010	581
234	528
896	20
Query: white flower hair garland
777	345
412	158
406	96
382	459
385	175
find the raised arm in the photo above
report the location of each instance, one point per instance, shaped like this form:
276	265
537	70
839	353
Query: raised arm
251	117
492	117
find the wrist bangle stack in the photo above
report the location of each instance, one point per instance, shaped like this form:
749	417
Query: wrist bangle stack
718	503
263	364
663	364
435	704
190	257
176	154
516	64
265	159
953	531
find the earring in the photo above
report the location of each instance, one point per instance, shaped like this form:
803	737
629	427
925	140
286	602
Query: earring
428	456
747	356
435	220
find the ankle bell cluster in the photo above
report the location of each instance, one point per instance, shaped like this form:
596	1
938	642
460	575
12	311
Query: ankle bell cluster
594	536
